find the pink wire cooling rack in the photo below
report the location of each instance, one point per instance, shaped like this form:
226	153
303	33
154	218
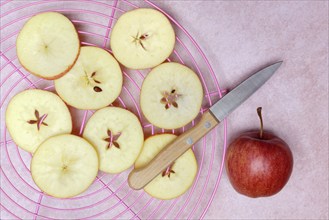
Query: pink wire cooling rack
109	197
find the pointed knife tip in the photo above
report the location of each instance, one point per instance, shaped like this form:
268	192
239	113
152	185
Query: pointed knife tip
277	64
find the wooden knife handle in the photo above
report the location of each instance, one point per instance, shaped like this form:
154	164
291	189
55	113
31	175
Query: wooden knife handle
138	178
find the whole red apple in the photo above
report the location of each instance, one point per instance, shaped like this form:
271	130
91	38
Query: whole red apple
258	163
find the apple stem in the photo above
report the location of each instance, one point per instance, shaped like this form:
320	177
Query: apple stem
259	112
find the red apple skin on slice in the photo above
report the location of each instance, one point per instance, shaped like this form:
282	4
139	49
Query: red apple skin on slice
258	167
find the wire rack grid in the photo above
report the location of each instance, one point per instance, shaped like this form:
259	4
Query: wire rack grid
109	197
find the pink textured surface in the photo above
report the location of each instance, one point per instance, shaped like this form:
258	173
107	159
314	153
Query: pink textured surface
238	37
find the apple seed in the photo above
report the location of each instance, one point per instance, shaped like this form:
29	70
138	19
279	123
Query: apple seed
144	36
97	89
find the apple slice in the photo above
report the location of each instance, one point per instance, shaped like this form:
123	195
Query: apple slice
34	115
171	96
142	38
117	136
94	82
64	166
176	179
48	45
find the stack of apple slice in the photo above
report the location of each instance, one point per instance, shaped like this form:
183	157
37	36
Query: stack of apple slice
39	122
64	165
171	94
48	46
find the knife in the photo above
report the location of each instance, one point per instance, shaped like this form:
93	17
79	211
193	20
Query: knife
138	178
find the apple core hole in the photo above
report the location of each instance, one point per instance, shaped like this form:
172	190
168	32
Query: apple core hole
170	99
39	120
112	139
168	171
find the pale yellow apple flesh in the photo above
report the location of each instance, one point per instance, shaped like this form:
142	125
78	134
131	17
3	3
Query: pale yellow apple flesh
142	38
64	166
171	96
34	115
94	82
173	181
118	137
48	45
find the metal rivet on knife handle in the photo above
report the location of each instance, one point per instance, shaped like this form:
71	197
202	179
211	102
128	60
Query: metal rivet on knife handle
207	124
189	141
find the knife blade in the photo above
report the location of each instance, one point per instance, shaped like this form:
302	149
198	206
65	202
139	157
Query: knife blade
138	178
242	92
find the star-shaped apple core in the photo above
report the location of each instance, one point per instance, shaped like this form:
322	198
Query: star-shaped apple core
90	80
39	120
170	99
140	38
112	139
168	171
